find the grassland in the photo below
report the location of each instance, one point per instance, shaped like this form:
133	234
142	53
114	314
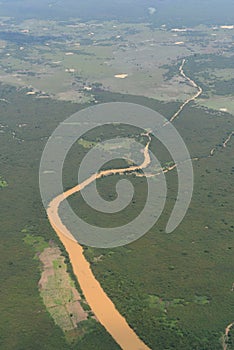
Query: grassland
67	60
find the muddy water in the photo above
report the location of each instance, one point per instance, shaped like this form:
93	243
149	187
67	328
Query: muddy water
99	302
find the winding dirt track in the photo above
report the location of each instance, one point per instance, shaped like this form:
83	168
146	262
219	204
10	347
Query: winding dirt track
100	303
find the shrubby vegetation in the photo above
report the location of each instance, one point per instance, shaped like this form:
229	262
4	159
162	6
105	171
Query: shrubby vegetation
174	290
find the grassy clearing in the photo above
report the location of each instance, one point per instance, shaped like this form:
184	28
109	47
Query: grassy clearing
202	300
218	102
86	144
58	291
3	182
38	243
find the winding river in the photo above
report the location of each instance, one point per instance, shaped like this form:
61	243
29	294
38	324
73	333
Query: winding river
101	305
190	99
226	335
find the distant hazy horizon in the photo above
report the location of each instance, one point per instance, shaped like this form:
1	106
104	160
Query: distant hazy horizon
170	12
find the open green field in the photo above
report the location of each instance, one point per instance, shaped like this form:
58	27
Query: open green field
67	60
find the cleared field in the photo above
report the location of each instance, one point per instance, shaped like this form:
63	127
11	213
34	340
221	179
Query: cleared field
58	291
221	103
95	53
